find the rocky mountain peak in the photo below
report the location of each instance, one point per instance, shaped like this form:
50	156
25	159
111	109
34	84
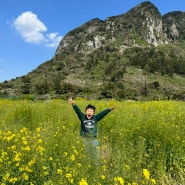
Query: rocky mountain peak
141	25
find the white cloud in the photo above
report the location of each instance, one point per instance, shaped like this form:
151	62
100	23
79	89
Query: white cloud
30	27
54	39
32	30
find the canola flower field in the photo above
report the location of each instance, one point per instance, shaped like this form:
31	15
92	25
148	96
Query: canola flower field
140	143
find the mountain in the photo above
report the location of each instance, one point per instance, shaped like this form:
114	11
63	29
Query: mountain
136	55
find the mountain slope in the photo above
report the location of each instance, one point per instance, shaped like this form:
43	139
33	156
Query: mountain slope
137	55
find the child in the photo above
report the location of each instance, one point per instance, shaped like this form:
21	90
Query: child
88	128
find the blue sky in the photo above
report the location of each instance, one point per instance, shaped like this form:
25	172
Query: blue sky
30	30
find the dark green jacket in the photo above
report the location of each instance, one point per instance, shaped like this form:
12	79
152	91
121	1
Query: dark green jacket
89	126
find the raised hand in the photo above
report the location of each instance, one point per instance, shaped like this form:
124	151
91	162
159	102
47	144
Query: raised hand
71	100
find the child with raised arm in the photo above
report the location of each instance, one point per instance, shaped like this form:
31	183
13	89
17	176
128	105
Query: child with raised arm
88	128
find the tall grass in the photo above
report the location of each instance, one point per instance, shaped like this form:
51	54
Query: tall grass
139	143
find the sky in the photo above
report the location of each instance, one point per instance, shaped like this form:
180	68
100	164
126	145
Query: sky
31	30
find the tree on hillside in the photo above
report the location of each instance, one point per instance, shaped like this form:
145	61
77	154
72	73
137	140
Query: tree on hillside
25	88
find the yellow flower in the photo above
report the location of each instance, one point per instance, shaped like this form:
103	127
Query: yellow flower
102	177
26	148
39	141
68	175
59	171
25	176
72	157
13	147
23	130
83	182
13	180
27	169
17	157
6	176
118	180
41	149
38	130
44	167
79	165
127	167
24	141
30	163
146	174
104	168
153	181
75	151
45	173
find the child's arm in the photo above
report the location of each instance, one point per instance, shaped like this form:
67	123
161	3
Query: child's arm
103	113
76	108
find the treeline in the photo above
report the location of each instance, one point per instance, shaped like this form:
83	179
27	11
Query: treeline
163	61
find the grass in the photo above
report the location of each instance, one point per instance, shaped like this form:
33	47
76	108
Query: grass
139	143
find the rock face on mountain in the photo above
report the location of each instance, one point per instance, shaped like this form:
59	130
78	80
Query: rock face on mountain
174	25
141	25
122	56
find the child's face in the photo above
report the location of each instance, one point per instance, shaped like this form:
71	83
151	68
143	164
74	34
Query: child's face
89	113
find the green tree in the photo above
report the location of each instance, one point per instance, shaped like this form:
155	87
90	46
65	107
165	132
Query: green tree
25	88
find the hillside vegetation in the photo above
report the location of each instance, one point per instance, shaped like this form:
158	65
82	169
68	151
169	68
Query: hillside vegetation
137	55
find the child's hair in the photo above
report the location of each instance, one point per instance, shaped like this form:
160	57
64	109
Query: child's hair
90	107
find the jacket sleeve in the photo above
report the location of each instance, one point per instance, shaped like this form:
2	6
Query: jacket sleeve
78	111
102	114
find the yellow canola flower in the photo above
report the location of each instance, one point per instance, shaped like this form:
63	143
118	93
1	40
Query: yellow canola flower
13	180
104	168
25	176
39	141
41	149
38	129
146	174
26	148
75	151
24	130
153	181
44	167
118	181
68	175
6	176
102	177
72	157
3	154
9	138
27	169
127	167
83	182
59	171
31	162
13	147
24	140
79	165
17	157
